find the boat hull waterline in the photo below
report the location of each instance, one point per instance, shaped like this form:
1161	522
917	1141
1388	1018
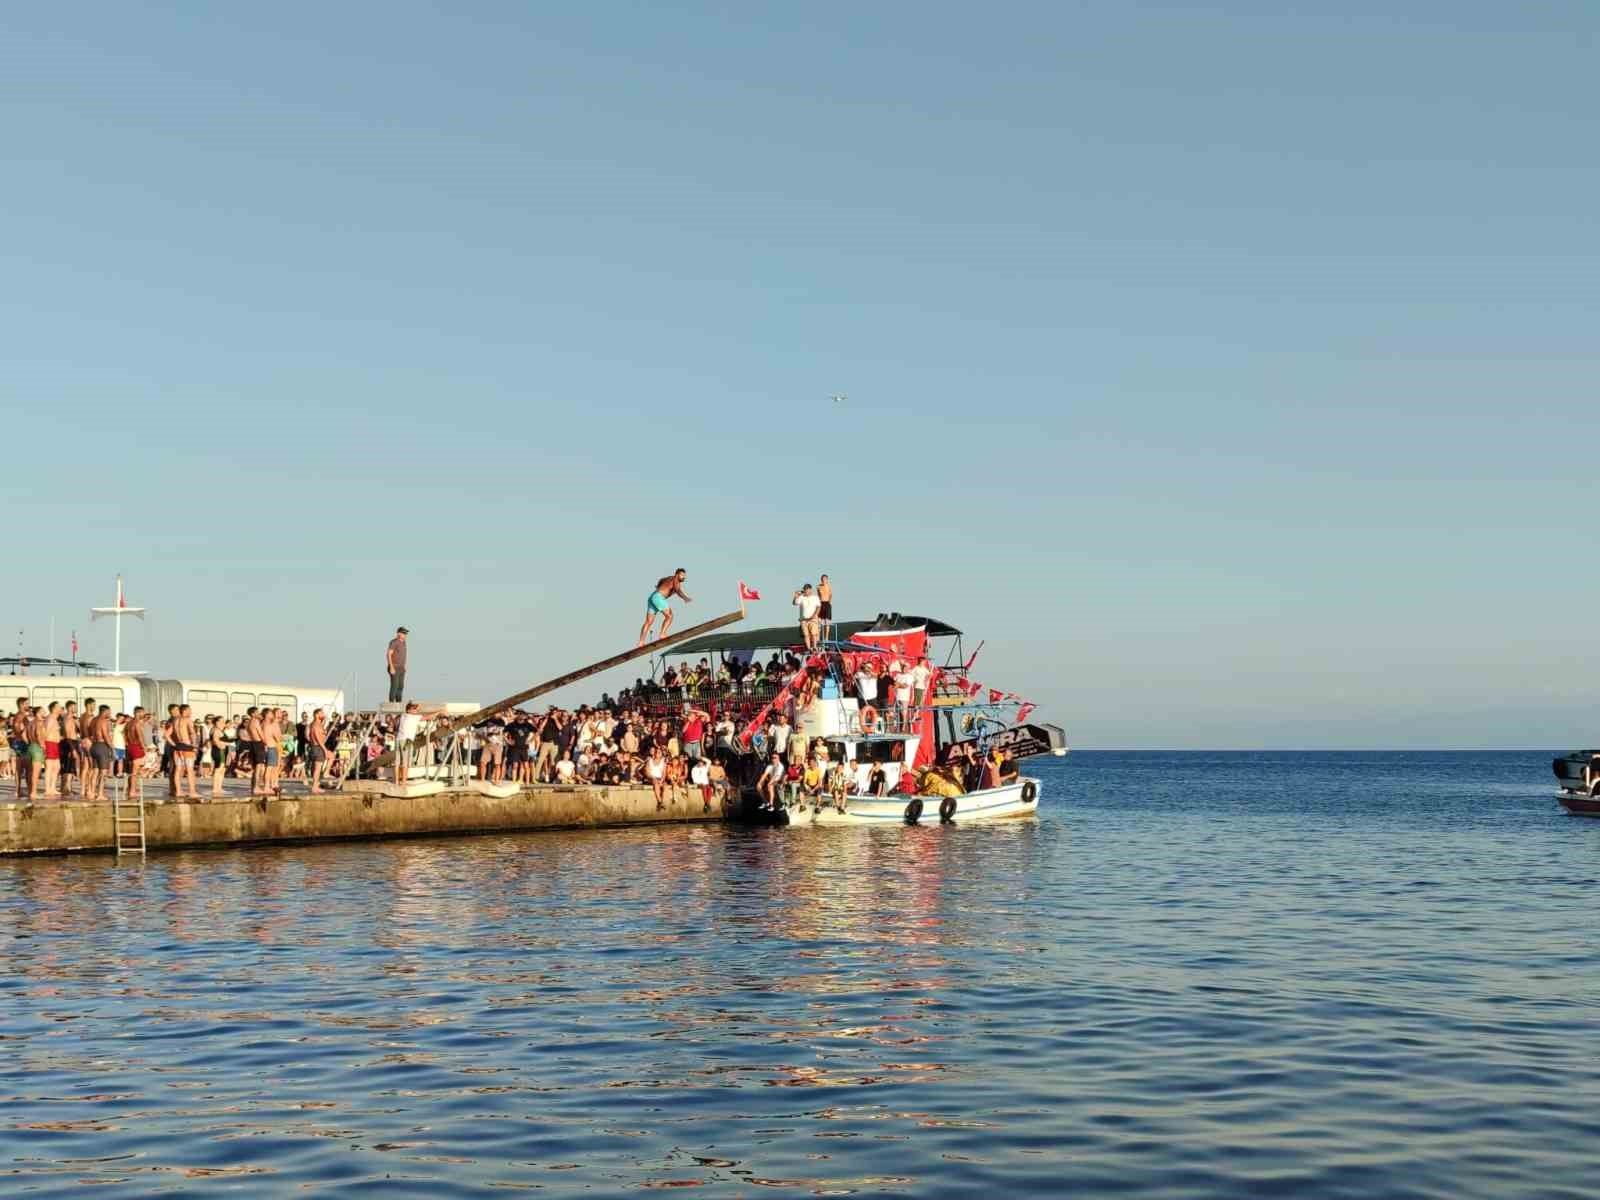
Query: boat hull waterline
1013	801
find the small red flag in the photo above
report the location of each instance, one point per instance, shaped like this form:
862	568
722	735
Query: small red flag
971	687
1022	713
748	593
996	695
74	643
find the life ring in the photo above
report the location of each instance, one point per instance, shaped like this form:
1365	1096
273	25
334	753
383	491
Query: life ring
869	719
1030	792
947	810
914	810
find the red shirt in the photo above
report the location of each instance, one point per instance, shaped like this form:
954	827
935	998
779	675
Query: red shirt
694	730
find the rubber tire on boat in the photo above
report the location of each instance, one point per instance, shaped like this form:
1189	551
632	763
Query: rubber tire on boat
947	810
1030	792
914	811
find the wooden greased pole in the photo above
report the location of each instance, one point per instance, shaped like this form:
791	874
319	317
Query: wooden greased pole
616	660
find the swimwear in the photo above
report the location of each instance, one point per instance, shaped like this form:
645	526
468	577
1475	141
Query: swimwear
656	604
182	746
272	756
52	751
35	752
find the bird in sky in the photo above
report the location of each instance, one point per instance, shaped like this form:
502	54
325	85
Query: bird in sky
839	398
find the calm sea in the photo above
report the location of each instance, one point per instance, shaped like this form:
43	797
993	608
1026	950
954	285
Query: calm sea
1193	975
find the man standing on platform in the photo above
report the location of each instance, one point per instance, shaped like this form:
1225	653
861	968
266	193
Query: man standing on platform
810	624
825	610
395	659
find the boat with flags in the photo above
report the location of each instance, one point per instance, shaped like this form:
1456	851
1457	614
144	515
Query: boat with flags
894	728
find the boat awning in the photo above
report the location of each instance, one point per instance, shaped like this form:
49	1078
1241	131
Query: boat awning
781	637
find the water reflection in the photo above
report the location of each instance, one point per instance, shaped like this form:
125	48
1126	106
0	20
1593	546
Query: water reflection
1150	1007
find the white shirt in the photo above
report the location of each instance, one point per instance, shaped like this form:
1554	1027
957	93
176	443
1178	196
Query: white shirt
902	687
920	675
700	775
780	737
410	724
867	687
564	770
809	605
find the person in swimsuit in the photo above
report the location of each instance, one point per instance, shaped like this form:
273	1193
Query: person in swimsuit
317	749
255	743
183	743
17	729
100	757
134	737
219	754
667	587
50	738
825	609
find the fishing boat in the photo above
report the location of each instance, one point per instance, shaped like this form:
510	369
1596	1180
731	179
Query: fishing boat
905	764
1577	795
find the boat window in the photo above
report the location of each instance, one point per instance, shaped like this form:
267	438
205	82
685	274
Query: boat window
837	752
878	752
44	694
10	693
208	704
241	702
278	700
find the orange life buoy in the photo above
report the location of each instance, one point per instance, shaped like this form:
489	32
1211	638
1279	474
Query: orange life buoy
869	719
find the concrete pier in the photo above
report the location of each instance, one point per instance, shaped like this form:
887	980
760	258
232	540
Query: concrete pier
57	826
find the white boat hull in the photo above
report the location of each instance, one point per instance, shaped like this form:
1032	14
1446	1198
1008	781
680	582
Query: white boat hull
1020	799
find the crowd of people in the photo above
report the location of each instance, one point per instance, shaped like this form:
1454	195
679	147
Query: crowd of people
697	731
57	752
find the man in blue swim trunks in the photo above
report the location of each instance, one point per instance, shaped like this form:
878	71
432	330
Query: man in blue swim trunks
666	588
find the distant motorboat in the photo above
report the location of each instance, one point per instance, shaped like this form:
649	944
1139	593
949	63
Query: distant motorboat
1572	770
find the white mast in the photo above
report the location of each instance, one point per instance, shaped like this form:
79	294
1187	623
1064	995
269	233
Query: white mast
116	614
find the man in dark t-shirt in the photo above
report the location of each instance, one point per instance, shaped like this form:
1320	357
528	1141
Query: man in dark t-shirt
395	662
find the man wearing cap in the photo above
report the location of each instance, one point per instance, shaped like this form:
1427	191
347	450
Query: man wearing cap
396	661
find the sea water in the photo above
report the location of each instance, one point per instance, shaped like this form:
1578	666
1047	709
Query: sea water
1194	974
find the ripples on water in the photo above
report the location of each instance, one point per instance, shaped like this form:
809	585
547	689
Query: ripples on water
1209	975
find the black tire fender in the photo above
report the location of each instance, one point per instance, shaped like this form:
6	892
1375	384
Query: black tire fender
914	810
1030	792
947	810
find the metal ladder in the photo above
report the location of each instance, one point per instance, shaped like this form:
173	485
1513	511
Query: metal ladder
127	821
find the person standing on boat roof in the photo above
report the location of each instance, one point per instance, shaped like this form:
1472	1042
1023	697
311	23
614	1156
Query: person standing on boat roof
825	611
810	623
395	662
666	588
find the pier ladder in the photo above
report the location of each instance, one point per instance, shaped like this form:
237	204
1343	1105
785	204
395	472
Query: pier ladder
127	821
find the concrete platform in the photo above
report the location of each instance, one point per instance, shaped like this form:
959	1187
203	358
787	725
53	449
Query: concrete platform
59	826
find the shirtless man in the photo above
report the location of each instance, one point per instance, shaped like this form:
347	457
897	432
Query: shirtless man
825	607
71	735
35	750
667	587
181	740
100	754
317	751
50	737
272	722
19	730
254	739
169	756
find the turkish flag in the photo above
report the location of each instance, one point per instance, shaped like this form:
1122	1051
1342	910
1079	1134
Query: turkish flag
748	593
996	695
1022	713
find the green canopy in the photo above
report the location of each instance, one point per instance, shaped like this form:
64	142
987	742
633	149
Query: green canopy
781	637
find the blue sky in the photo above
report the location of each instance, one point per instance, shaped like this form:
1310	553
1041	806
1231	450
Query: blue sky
1230	368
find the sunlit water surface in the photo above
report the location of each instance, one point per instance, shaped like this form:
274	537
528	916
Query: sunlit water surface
1192	975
